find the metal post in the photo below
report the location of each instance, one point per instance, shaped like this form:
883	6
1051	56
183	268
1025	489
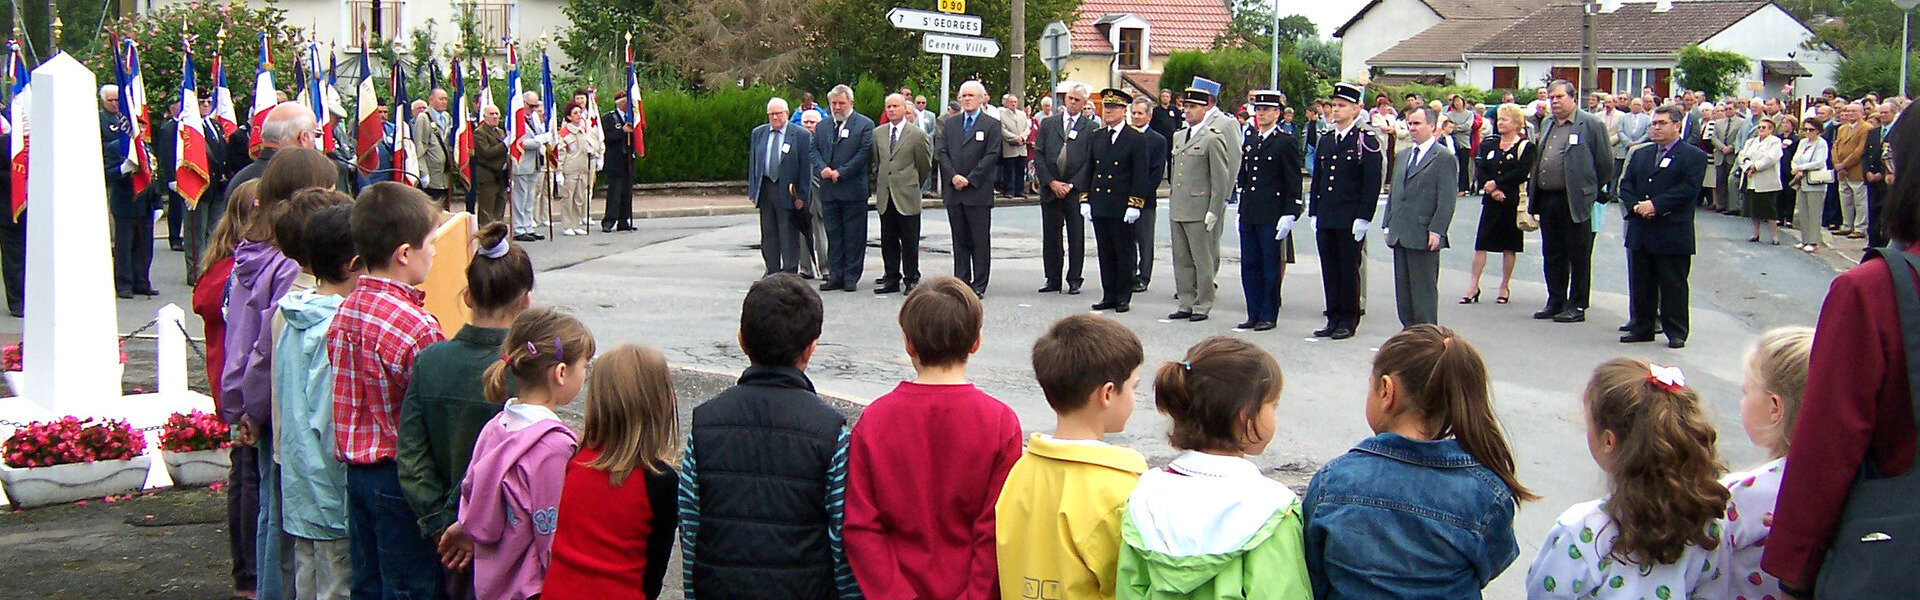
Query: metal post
946	80
1904	17
1018	87
1273	77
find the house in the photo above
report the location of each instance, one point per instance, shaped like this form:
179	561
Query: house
1635	46
1125	43
1381	25
342	22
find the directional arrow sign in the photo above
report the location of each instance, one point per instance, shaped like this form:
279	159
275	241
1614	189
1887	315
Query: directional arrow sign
926	20
959	45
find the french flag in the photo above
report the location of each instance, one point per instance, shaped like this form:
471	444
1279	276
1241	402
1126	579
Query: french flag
317	99
18	74
192	175
406	165
133	106
264	96
461	138
368	127
636	110
225	120
516	104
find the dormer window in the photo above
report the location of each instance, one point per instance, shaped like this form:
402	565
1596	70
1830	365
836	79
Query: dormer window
1132	48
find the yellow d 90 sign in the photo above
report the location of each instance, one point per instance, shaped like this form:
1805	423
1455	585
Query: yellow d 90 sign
953	6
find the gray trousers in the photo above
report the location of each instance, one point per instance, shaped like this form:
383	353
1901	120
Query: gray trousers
779	238
527	191
1416	285
1811	203
813	239
321	569
1196	261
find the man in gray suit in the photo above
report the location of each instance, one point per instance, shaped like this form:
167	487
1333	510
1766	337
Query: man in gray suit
904	155
430	135
1059	155
1730	133
969	151
1575	171
779	161
1206	163
1419	208
843	151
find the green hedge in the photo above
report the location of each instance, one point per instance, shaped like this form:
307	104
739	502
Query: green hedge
701	137
1241	69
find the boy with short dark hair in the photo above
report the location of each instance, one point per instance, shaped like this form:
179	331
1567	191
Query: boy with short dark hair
1058	531
763	521
927	460
379	328
312	485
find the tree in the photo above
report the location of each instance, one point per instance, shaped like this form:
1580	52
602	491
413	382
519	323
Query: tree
727	42
160	31
1242	69
1323	56
1710	71
1873	70
1254	24
599	30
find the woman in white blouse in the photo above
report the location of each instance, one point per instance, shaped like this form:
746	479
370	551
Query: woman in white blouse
579	145
1760	162
1810	163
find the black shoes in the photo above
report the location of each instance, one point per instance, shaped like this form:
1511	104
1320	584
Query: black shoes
1326	331
626	227
1630	325
125	295
830	286
1123	308
1342	333
1247	325
1635	338
1571	315
1073	289
980	292
1547	313
1179	316
1264	326
1677	343
1139	287
1048	288
527	237
176	246
1196	318
1105	305
606	228
886	288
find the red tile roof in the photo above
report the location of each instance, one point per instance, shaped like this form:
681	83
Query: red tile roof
1143	83
1176	24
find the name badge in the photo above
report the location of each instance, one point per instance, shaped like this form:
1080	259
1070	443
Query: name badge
843	134
1073	135
1573	139
979	136
1665	161
1492	153
785	147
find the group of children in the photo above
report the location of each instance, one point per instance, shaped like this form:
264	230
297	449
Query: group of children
393	463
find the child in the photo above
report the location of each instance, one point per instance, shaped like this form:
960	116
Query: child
1209	525
379	329
1057	523
765	520
1769	403
618	511
1436	477
209	301
927	461
1658	532
313	486
446	404
510	498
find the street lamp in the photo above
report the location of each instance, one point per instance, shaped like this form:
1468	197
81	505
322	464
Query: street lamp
1906	13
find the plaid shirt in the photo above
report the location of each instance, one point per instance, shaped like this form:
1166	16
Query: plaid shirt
381	326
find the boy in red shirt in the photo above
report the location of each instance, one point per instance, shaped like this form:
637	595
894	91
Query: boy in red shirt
926	462
381	325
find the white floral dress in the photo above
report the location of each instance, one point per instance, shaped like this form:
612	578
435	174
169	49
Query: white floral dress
1749	519
1573	563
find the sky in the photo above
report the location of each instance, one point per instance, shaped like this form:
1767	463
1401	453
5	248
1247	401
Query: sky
1327	15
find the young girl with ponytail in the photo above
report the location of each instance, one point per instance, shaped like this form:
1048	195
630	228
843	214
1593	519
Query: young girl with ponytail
1209	525
1424	508
1658	532
510	499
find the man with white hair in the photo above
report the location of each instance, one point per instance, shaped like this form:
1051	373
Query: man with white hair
288	125
528	187
490	176
968	150
1014	127
131	210
779	161
430	128
844	154
812	221
1059	154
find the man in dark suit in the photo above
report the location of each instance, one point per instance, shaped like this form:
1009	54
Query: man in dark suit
617	127
165	162
1140	113
1118	185
1269	182
131	210
1661	182
1419	209
1873	158
1168	117
1346	188
779	161
1059	158
1575	167
843	152
969	152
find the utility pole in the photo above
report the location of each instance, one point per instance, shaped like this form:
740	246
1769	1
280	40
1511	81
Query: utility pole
1589	69
1273	76
1018	86
1906	12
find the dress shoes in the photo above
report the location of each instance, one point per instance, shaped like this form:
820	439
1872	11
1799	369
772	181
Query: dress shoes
1571	315
525	237
1677	343
1180	316
828	286
1139	287
1342	333
147	292
1246	325
980	293
1630	325
125	295
1196	318
1547	313
1048	288
176	246
626	227
1105	305
1123	308
1632	338
886	288
1264	326
606	228
850	287
1073	289
1326	331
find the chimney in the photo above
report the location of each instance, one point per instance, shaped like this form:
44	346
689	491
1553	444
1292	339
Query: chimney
1661	6
1607	6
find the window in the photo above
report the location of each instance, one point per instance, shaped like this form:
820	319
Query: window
1631	80
1132	48
1506	78
494	20
360	18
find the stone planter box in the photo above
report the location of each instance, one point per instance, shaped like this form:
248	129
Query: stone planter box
198	468
41	486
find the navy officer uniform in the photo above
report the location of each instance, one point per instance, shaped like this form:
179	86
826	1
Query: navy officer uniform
1346	189
1269	185
1118	185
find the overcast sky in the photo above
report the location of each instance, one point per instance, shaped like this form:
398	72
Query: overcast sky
1326	14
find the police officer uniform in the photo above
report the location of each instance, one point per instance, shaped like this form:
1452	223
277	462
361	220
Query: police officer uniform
1346	188
1269	205
1206	161
1117	185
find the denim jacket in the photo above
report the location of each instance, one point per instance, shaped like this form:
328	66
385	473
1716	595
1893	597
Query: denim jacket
1400	518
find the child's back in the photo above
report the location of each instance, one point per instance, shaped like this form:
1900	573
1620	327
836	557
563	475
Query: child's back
445	410
1209	526
314	485
1058	518
511	496
1577	561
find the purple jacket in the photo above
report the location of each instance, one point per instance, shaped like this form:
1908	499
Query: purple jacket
510	500
261	275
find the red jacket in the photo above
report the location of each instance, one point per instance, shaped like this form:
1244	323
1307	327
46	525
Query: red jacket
1856	403
209	301
924	469
612	543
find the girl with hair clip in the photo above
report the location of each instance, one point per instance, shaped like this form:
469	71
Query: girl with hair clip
1209	525
510	499
618	509
446	405
1770	398
1658	532
1424	508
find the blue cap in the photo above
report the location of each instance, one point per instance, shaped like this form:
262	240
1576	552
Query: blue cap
1202	90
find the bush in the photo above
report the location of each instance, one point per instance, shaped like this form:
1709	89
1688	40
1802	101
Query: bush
1874	70
1397	94
193	432
73	440
701	137
1711	71
1242	69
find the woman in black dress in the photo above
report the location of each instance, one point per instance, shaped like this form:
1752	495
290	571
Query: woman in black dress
1502	164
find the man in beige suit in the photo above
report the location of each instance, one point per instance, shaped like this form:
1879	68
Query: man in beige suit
1206	163
903	157
1014	127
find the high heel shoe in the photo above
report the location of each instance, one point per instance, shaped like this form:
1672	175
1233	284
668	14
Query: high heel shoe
1503	299
1471	299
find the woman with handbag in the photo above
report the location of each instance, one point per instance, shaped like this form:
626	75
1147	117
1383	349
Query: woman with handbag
1760	163
1502	164
1810	180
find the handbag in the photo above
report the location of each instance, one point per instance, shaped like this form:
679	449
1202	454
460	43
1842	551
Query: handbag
1871	556
1820	177
1521	218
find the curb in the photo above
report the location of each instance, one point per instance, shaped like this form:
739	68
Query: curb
832	396
715	210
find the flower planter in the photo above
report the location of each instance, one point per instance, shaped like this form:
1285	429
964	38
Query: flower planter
198	468
41	486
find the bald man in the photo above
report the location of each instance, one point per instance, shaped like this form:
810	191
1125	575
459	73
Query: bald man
968	149
490	169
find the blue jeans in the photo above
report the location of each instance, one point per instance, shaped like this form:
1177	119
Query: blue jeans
274	552
391	559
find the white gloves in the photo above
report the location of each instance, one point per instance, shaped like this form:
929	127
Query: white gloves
543	139
1285	227
1210	220
1133	214
1086	211
128	166
1360	230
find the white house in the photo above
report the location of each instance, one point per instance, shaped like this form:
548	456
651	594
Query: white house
1383	24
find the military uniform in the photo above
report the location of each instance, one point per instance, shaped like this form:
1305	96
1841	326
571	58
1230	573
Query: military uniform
1269	205
1206	161
1116	181
131	210
1346	188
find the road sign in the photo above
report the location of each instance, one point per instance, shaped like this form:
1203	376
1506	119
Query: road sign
959	45
923	20
953	6
1054	44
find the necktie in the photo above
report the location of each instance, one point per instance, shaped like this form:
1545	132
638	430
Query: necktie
969	127
894	139
773	153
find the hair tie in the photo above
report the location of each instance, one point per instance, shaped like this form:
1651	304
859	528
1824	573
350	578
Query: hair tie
1187	366
530	349
1446	342
1667	378
505	358
497	250
557	355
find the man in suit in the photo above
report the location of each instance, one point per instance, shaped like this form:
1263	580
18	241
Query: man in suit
1015	125
1875	164
430	137
529	187
1573	173
1849	176
779	166
617	128
1060	156
843	151
904	155
812	222
490	176
1269	204
1206	160
131	210
1419	209
1662	179
1729	133
166	136
969	151
1115	179
1140	114
1346	188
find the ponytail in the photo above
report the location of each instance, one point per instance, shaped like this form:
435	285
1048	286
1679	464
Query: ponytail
1446	383
539	340
1663	472
495	382
1214	394
501	272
